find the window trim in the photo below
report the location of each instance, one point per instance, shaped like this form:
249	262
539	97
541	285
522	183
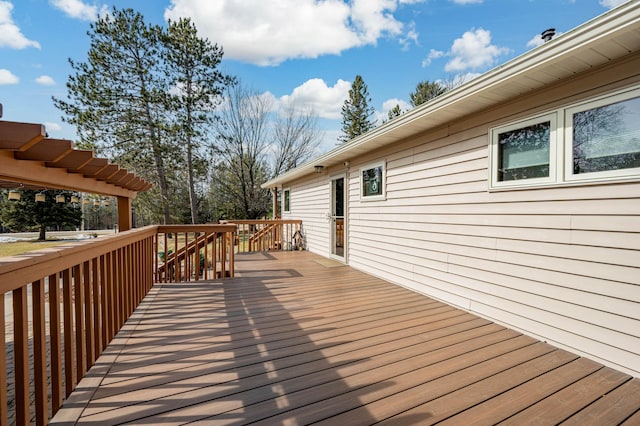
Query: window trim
603	175
383	195
552	117
284	200
561	157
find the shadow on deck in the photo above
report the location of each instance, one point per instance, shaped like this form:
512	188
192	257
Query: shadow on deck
294	339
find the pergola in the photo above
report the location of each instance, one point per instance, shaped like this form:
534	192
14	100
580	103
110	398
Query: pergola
29	159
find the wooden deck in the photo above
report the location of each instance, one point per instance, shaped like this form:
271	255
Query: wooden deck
296	339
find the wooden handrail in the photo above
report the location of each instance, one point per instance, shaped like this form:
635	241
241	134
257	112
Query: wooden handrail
96	285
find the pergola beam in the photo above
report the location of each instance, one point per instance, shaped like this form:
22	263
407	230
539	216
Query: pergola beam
34	173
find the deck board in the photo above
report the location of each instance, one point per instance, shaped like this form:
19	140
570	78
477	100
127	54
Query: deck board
293	341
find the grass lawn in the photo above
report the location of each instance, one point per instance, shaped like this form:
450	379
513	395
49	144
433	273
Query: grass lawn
19	247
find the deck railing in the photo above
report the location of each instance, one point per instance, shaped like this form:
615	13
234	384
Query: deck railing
193	252
95	286
264	235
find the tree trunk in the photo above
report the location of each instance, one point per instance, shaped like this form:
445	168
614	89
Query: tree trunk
192	193
164	192
43	233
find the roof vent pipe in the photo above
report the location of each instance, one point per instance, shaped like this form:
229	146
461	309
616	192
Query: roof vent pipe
547	35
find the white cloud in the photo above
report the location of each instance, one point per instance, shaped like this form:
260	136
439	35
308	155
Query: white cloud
610	4
10	34
77	9
268	33
325	101
45	80
473	51
7	77
433	54
467	1
52	127
411	36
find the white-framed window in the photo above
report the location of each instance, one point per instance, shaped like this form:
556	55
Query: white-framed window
286	200
524	153
373	182
603	138
592	141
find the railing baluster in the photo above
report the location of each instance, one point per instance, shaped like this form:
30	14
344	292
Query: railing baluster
176	264
88	314
4	416
97	324
232	261
39	352
21	355
55	342
224	254
205	274
78	296
214	252
108	289
119	284
67	308
128	282
166	259
104	328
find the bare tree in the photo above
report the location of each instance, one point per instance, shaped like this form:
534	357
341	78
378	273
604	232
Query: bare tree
295	137
243	137
256	141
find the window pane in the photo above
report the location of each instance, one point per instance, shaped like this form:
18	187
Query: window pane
286	200
607	137
372	181
338	191
524	153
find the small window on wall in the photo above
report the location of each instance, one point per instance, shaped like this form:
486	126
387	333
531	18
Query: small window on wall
372	182
524	153
603	138
286	207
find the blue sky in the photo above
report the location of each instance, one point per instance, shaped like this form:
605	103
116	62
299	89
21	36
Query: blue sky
307	51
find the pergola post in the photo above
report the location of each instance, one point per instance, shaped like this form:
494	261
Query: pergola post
124	214
275	203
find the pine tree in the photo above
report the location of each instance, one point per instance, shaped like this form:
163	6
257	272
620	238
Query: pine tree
394	112
26	214
192	63
426	90
117	100
356	112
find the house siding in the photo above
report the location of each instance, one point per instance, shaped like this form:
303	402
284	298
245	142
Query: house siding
308	201
561	263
